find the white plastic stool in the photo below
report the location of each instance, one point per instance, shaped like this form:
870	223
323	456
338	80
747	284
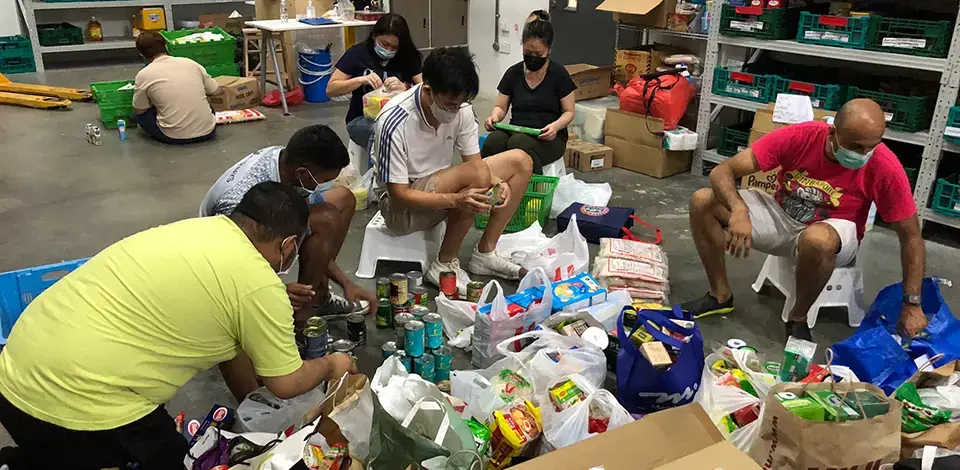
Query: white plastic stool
379	244
359	156
556	169
844	289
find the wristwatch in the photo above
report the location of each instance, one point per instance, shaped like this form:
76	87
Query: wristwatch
911	299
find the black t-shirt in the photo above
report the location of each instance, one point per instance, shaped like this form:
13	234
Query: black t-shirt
539	106
360	60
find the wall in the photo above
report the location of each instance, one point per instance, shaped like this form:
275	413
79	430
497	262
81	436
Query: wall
9	18
493	64
569	46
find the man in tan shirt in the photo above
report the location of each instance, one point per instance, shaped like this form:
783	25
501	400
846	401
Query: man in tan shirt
170	97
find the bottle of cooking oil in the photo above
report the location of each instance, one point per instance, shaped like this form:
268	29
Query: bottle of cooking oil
94	30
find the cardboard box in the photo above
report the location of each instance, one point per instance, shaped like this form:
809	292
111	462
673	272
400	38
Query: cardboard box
653	13
223	21
681	438
587	156
591	81
633	127
755	135
652	161
763	118
765	181
235	93
633	62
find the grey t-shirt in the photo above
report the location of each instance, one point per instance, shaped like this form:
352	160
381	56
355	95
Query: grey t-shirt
226	193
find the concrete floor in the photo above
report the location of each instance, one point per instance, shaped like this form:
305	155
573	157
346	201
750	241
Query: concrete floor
61	199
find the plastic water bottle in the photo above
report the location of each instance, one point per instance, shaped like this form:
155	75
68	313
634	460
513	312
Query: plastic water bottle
283	11
122	128
311	10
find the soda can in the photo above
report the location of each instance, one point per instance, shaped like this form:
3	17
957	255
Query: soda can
414	279
97	137
433	330
384	314
425	367
383	288
443	358
344	346
357	329
414	338
388	349
400	320
404	359
398	289
122	129
419	311
317	321
418	296
474	289
448	284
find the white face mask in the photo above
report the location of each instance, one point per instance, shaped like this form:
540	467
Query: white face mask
442	115
317	186
296	256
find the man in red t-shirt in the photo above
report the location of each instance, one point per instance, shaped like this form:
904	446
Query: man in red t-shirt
829	176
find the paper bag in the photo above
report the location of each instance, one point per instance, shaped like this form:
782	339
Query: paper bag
340	392
789	441
943	435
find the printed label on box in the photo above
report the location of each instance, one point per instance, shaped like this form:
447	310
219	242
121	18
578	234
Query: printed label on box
596	163
904	43
952	132
747	25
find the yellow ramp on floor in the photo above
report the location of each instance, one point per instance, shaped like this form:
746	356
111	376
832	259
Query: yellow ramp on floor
39	102
44	90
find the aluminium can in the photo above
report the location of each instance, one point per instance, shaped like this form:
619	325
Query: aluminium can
398	289
474	289
384	314
425	367
388	349
419	311
414	338
443	360
357	329
419	296
433	330
400	320
343	346
414	279
404	359
383	288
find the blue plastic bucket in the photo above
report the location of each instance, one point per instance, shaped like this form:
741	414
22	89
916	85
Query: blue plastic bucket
315	72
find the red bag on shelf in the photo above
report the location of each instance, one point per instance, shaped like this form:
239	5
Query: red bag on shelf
663	95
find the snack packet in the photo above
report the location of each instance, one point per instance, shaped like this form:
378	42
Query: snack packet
514	427
510	386
917	416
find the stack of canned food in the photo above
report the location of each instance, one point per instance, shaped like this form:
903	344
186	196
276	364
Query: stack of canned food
315	341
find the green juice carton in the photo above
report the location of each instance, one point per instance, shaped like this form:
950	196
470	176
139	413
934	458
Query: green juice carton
805	408
873	405
834	406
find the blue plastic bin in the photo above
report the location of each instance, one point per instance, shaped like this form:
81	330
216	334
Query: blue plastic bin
19	288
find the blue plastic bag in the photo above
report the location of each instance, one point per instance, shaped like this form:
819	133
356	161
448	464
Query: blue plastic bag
871	354
644	389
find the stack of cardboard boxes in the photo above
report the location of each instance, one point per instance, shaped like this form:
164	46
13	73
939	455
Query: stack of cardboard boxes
637	143
587	156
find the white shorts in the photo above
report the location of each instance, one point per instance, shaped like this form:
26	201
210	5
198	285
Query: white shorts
776	233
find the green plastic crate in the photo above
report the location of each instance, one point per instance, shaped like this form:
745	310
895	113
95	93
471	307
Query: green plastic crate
12	47
912	175
904	113
946	199
110	93
59	34
12	65
841	31
760	23
911	37
734	138
206	53
232	70
535	206
952	133
109	115
748	86
827	97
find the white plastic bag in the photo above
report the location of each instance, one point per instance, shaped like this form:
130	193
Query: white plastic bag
498	325
563	256
397	390
464	340
570	426
719	401
552	356
570	190
262	411
457	315
355	418
517	245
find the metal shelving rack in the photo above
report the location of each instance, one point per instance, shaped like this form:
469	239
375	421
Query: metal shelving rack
31	7
931	140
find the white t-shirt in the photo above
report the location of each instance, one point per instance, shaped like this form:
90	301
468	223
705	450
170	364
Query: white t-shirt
256	168
406	147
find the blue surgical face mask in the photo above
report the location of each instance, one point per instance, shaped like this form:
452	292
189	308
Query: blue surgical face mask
383	52
317	186
848	158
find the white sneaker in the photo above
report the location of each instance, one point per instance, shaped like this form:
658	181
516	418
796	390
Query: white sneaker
493	264
436	267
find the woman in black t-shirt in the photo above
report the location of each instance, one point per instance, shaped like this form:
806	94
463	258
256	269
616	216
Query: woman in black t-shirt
387	59
541	93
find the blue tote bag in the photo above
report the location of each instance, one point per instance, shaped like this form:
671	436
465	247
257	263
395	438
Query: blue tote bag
644	389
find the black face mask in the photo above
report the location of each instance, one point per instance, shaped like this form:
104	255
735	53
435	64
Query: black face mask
533	62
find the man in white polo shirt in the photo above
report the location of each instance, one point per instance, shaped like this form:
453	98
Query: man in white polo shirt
414	140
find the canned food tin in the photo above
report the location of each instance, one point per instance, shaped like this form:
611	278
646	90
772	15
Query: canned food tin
448	284
414	338
734	343
405	308
316	339
433	330
404	359
418	296
398	289
443	360
419	311
383	288
400	320
443	385
357	329
425	367
414	279
344	346
319	322
384	314
474	289
388	349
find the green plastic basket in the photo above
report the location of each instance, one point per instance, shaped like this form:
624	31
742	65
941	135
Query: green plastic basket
232	70
827	97
12	65
114	103
952	133
109	115
904	113
734	138
912	37
13	47
946	199
204	53
841	31
760	23
748	86
59	34
535	206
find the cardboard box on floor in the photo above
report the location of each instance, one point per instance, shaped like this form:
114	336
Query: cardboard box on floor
235	93
763	118
591	81
640	12
637	148
588	156
681	438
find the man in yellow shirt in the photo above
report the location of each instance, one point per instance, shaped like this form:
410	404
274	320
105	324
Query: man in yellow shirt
91	361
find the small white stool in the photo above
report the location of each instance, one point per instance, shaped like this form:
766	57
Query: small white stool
556	169
359	156
844	289
379	244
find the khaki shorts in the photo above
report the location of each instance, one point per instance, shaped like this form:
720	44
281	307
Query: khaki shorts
401	220
776	233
